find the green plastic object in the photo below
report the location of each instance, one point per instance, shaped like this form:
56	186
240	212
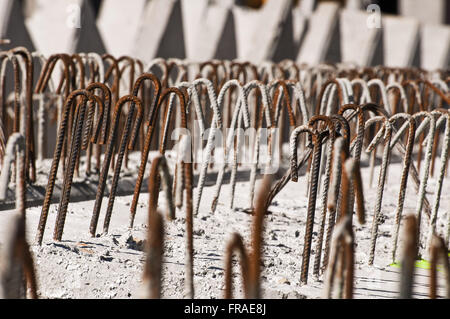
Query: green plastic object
422	263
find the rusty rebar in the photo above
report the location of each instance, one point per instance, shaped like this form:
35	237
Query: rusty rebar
342	256
61	140
404	178
75	150
331	127
152	278
426	168
241	110
236	244
187	168
29	132
409	257
126	140
317	142
17	270
257	240
438	251
445	114
155	106
381	179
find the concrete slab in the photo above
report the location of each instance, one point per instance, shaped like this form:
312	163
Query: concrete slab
425	11
361	43
160	31
63	26
401	41
12	25
88	37
354	4
321	42
307	7
209	30
118	23
435	46
227	46
193	12
300	25
260	31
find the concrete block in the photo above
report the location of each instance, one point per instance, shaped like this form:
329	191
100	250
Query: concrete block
361	42
401	41
307	7
435	46
300	23
193	13
354	4
265	33
432	12
209	30
12	25
88	37
160	32
118	24
322	38
301	14
63	26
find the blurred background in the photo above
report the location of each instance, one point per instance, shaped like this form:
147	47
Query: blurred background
396	33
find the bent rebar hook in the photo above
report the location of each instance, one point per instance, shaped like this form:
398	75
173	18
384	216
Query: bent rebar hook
78	142
411	124
331	122
385	130
240	114
17	259
444	116
167	93
426	169
316	139
216	124
262	89
61	140
148	137
29	132
125	141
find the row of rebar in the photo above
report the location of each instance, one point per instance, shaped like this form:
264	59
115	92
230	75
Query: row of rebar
122	105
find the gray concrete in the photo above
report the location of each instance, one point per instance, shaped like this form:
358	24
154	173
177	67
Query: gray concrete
160	32
118	23
52	28
425	11
260	31
209	30
435	46
321	42
401	41
88	37
360	43
300	22
12	25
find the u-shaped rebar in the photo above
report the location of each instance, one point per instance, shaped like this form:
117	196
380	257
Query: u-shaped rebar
78	142
125	141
